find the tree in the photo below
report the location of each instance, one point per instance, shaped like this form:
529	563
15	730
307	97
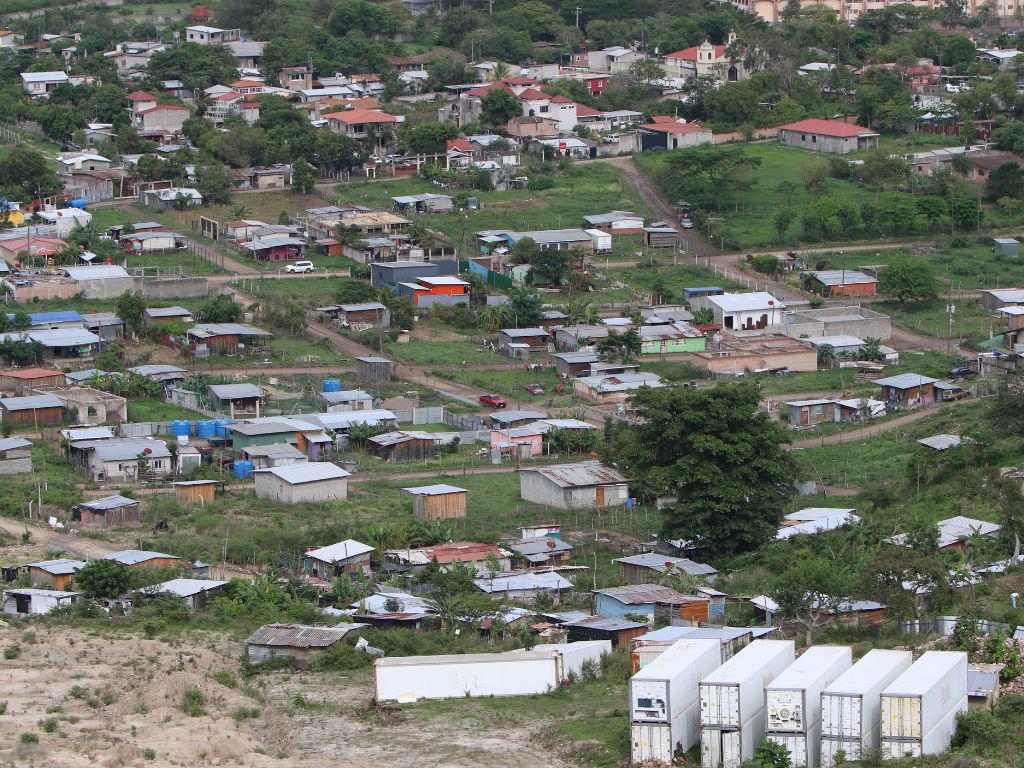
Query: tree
370	18
784	217
1009	500
25	173
716	455
337	152
908	278
303	177
131	308
524	251
1005	181
220	309
1010	136
550	266
880	168
213	183
620	346
644	75
499	106
103	578
524	307
810	592
197	66
428	138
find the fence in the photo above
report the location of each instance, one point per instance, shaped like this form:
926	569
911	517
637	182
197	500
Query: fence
944	625
463	422
488	275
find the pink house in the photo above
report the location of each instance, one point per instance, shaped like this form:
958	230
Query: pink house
508	440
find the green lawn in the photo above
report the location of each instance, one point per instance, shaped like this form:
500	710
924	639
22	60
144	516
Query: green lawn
308	291
836	380
971	321
421	352
512	382
157	410
580	191
284	351
664	279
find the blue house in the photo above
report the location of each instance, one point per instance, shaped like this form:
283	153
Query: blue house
651	600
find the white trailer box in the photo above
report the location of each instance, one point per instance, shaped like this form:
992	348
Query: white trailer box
661	741
733	694
803	747
794	697
923	696
602	241
935	742
409	678
668	686
574	655
730	748
851	705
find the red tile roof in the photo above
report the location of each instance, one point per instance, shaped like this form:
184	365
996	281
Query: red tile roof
483	90
140	96
582	110
460	551
462	145
31	373
690	54
834	128
165	108
560	99
361	116
247	84
249	105
532	94
521	80
664	119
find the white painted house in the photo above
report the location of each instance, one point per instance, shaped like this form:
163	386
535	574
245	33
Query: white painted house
300	483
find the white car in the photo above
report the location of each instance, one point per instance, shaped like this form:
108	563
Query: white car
299	267
686	223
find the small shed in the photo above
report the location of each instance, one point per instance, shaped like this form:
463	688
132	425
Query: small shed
373	370
652	600
193	592
661	237
140	558
195	491
18	380
53	574
294	641
274	455
525	586
33	410
236	399
438	502
1006	246
335	560
648	568
36	602
15	456
108	512
619	631
571	486
402	446
300	483
542	551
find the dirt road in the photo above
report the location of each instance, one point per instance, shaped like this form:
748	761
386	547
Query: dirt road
869	431
73	544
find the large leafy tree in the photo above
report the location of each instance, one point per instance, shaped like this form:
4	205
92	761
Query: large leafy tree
131	308
103	578
197	66
24	173
811	591
716	455
1005	181
499	106
908	278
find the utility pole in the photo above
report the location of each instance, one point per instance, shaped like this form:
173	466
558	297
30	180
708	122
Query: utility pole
578	9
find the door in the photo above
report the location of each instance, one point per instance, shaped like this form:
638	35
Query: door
600	495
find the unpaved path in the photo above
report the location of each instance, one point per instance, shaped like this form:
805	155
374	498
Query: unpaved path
869	431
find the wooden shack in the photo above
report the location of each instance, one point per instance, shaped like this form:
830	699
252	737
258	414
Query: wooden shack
18	380
371	370
402	446
438	502
294	641
32	411
15	456
195	491
54	574
108	512
661	237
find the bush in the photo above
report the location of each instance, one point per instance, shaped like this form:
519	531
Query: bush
148	754
3	707
49	725
226	678
245	713
193	703
979	729
28	738
341	656
12	652
28	637
538	183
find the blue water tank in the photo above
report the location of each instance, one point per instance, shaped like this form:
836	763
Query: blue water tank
220	427
243	468
206	429
78	202
332	385
181	428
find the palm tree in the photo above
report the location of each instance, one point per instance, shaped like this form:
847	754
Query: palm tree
240	212
501	71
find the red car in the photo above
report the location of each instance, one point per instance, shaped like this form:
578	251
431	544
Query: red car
493	401
535	389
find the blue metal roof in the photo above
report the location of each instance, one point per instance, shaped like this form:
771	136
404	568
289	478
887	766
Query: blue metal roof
65	316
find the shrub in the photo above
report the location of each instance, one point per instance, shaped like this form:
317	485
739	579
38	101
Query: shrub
12	652
226	678
49	725
28	738
193	703
538	183
245	713
979	729
3	707
28	637
148	754
77	692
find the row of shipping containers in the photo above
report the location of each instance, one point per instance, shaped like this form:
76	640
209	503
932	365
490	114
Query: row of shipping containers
817	706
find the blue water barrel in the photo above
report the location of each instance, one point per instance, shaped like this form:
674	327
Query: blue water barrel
243	468
181	428
207	429
195	427
78	202
332	385
220	427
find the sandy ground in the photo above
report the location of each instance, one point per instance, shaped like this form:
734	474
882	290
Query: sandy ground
114	698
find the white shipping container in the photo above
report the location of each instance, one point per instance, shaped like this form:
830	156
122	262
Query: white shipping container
601	241
661	741
409	678
851	706
935	742
794	697
574	655
728	748
669	685
922	697
734	693
803	747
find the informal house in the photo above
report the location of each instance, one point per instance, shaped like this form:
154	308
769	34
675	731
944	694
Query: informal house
572	486
301	483
832	136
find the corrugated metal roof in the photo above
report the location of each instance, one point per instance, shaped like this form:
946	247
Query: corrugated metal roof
745	302
97	272
174	311
585	473
60	567
30	403
605	623
434	490
505	417
135	556
128	450
523	581
109	502
235	391
941	442
183	587
156	368
11	443
346	396
87	433
905	381
638	594
662	563
542	545
842	277
281	450
296	474
227	329
301	635
343	550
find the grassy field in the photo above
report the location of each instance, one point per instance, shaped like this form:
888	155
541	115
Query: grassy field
578	192
511	383
441	353
307	291
836	380
157	410
666	280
